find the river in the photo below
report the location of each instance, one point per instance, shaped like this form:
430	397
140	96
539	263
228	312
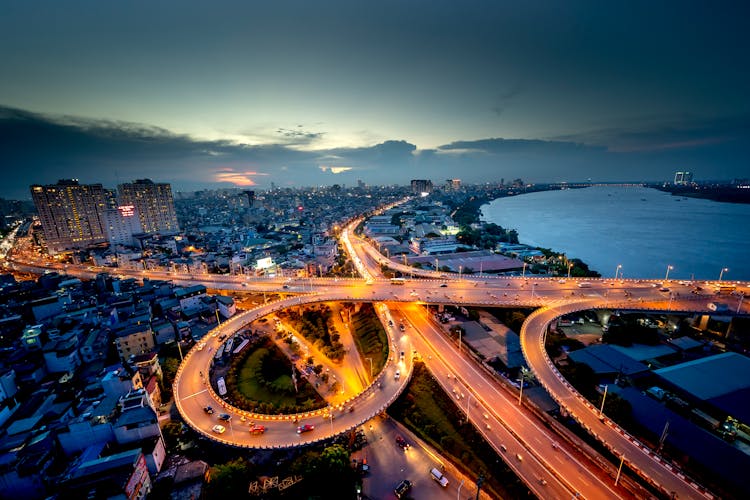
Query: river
641	229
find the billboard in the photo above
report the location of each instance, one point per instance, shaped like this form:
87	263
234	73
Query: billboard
126	210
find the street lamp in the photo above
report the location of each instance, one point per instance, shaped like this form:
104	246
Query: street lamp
601	410
436	266
723	270
617	270
570	265
458	495
523	375
669	268
460	269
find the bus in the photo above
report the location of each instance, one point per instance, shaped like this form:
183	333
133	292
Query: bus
725	288
398	281
242	345
219	352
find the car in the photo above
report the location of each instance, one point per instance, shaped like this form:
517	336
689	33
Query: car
257	429
397	375
402	489
443	285
503	447
201	345
402	443
402	355
218	429
305	428
209	410
226	417
519	457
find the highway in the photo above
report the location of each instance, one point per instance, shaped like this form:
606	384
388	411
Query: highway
634	454
548	470
490	407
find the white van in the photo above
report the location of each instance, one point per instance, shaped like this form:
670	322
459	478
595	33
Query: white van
439	477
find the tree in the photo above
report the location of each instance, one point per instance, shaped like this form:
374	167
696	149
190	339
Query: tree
229	479
172	432
335	458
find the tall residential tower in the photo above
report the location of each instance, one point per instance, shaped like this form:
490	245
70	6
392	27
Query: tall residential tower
153	203
71	214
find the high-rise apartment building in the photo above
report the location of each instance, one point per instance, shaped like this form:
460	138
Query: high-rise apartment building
120	224
683	178
452	184
420	186
153	203
250	198
71	214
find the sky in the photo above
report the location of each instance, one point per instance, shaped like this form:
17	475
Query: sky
300	93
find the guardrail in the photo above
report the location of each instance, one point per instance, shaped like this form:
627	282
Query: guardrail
235	324
563	401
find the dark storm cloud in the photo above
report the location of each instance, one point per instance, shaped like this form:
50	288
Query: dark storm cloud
299	135
659	133
37	148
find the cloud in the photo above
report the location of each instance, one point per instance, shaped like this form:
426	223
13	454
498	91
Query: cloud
298	135
40	148
504	99
238	178
664	133
335	170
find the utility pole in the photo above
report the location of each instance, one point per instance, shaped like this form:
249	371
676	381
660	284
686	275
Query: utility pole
619	469
663	437
480	481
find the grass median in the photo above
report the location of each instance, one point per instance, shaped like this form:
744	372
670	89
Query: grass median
370	337
431	414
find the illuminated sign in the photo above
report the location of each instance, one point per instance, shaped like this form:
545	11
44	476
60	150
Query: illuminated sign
126	210
264	263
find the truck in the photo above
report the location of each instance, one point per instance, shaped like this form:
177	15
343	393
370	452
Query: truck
439	477
584	284
725	288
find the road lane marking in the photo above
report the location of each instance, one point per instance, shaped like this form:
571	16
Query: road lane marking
194	394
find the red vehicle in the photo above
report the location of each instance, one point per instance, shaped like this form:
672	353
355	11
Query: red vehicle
305	428
257	429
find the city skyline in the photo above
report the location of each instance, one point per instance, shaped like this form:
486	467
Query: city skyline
300	95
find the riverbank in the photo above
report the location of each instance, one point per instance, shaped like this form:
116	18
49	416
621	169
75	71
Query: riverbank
551	262
632	231
724	193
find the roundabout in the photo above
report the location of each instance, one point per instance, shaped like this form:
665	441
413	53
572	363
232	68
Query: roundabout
193	392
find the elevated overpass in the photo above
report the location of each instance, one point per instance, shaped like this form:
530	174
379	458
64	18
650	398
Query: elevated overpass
553	297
